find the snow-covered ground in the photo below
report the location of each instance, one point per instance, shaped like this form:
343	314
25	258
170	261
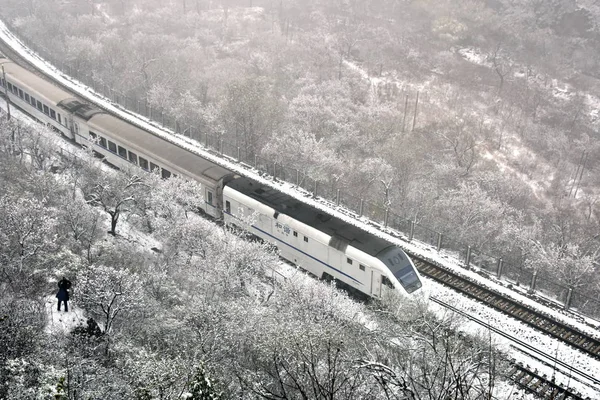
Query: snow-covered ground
577	359
61	321
560	90
527	334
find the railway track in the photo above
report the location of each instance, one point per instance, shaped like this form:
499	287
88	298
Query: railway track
529	379
539	385
9	53
568	335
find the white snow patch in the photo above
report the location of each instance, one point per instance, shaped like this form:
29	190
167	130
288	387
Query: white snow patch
523	332
61	322
474	56
536	187
101	9
419	249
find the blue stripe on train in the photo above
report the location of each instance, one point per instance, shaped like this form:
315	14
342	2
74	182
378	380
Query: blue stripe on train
300	251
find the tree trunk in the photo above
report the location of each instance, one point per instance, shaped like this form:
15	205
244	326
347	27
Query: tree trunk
114	218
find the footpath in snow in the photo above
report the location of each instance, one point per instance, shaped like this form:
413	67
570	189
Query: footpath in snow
531	336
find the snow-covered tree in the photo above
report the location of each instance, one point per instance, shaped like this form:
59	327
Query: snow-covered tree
202	387
109	294
116	194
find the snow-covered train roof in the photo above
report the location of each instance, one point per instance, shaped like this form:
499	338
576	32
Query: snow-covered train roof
318	219
32	81
79	108
161	149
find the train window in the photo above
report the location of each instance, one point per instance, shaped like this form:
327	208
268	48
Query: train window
52	114
93	137
21	93
59	119
227	207
33	101
10	87
362	267
295	234
387	282
209	197
144	163
27	98
349	261
133	157
165	173
154	167
305	239
38	104
46	109
122	152
112	147
76	127
15	90
102	142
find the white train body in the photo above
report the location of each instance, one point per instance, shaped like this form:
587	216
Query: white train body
118	142
325	246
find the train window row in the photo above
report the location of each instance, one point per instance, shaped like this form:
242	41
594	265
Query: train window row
128	155
29	99
305	238
350	261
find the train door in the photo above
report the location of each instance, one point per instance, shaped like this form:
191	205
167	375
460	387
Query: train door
69	123
218	201
375	284
209	201
334	258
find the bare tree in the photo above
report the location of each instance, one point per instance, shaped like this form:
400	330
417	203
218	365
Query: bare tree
502	65
115	194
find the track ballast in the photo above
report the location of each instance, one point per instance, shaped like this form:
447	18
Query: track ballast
544	323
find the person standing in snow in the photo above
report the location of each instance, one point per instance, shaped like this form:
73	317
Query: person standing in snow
63	293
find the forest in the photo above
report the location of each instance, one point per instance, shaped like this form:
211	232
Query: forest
477	118
169	305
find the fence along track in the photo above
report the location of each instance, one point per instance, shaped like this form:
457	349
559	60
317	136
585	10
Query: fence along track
216	147
571	336
560	331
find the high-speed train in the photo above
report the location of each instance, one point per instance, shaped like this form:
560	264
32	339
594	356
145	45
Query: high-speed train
321	244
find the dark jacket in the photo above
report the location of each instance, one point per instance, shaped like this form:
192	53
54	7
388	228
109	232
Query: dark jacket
63	285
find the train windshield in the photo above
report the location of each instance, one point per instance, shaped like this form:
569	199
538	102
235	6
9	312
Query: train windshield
402	268
408	278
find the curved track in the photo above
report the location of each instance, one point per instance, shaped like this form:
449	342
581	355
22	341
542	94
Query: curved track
544	323
527	378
